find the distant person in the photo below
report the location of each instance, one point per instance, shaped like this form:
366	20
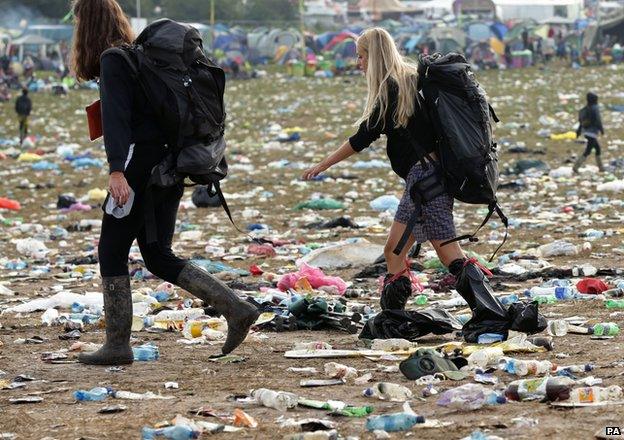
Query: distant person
508	57
29	67
590	126
135	144
525	39
392	109
23	107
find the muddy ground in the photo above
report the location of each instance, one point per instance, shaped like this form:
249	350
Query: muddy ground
325	110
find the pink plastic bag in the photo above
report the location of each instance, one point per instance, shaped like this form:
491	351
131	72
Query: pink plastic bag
315	277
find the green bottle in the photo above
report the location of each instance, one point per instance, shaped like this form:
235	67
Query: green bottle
606	329
615	303
545	299
421	300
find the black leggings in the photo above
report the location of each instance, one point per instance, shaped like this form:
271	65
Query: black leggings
118	235
592	143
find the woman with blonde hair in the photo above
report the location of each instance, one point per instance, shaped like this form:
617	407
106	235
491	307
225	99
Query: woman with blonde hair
393	108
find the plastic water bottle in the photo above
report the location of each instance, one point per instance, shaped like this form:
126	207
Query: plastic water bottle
558	327
582	368
76	307
421	300
278	400
524	368
490	338
95	394
560	292
615	303
178	432
508	299
614	293
146	352
483	358
545	299
339	371
464	318
606	329
389	391
551	388
596	394
179	315
470	396
393	422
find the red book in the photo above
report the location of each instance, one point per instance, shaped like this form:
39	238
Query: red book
94	118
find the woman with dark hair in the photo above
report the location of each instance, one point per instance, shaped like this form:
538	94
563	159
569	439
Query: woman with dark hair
134	145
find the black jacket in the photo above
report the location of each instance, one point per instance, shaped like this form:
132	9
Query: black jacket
400	148
127	116
23	105
590	121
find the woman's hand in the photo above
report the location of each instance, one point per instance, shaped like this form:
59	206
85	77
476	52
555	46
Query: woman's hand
119	188
311	173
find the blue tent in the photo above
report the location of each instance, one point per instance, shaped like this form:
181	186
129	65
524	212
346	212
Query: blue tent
499	30
478	32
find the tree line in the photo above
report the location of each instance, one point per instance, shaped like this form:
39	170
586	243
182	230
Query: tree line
185	10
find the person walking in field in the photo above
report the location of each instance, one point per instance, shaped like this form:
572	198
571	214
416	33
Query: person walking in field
23	108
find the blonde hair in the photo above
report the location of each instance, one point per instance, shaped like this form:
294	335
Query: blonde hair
385	63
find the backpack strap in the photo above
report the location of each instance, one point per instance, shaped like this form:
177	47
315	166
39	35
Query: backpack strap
421	192
492	208
217	189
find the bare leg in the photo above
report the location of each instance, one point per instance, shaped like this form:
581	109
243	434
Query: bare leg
396	263
448	253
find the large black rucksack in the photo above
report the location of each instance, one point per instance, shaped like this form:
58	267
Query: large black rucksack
462	120
186	91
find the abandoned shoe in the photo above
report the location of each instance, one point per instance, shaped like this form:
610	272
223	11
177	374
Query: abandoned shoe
118	315
240	315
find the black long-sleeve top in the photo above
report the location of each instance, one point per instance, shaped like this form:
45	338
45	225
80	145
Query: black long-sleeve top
590	122
127	116
401	152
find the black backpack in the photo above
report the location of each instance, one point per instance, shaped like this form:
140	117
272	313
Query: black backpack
585	117
186	91
461	118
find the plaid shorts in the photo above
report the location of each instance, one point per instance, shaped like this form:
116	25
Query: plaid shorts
438	221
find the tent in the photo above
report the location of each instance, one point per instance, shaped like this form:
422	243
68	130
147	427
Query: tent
339	39
37	42
448	37
478	32
538	9
499	30
346	49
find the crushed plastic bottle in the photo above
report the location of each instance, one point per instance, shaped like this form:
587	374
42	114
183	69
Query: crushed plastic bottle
178	432
470	396
279	400
96	394
340	371
550	388
394	422
614	303
391	344
605	329
486	356
526	367
146	352
596	394
389	391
